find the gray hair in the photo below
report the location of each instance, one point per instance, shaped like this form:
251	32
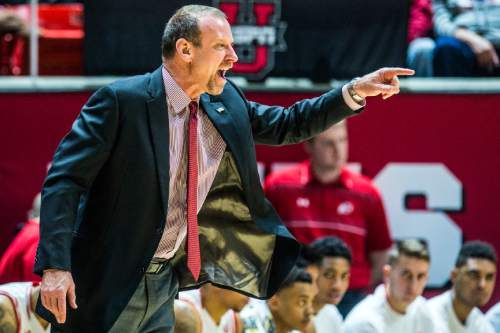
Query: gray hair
184	24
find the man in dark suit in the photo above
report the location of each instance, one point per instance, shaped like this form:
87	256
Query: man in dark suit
165	157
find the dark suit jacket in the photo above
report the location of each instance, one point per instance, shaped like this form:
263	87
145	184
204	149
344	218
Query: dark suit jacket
104	201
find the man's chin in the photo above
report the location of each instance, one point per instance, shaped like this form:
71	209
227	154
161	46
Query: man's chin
481	301
409	299
334	298
303	325
216	90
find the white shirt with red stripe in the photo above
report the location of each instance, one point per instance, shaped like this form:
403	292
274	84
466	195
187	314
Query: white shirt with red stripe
19	294
227	324
211	148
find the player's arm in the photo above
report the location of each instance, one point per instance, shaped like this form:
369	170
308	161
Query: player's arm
377	260
8	321
238	323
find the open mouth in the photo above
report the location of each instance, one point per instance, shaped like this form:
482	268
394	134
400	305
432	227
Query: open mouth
222	73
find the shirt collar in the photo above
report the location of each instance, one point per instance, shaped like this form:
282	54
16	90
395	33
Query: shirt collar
177	98
309	177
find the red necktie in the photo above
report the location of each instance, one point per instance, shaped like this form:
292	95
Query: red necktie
193	243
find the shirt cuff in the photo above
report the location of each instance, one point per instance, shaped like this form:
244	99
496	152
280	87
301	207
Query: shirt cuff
350	101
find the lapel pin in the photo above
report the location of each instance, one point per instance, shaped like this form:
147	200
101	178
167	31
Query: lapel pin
220	110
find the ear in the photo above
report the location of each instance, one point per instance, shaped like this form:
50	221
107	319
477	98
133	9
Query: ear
386	270
454	275
184	50
273	302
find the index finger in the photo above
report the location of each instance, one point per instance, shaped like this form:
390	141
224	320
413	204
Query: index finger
394	71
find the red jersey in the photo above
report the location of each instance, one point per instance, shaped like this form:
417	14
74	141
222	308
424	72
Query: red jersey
16	264
349	208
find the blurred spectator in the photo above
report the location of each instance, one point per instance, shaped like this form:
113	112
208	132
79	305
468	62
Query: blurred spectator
333	281
187	319
473	280
13	32
420	42
16	264
289	309
396	306
493	316
216	307
311	262
11	22
468	34
321	197
17	309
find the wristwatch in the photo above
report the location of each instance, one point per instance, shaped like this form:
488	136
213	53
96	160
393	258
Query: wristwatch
354	95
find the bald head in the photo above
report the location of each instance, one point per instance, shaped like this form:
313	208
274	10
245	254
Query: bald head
187	319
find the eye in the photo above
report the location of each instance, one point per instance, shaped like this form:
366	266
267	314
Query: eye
473	275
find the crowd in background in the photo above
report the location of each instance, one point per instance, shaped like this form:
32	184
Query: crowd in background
350	277
454	38
446	38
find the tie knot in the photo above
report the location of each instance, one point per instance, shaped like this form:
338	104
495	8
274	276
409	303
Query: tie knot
193	108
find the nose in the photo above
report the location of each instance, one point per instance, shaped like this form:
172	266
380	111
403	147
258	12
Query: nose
231	55
414	286
482	283
336	283
309	311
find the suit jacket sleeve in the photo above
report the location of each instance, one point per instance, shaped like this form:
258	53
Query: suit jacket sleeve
77	161
276	125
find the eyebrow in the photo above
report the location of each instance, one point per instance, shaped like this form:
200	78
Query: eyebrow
477	271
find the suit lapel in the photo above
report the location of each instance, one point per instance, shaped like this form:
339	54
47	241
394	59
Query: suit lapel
158	125
221	117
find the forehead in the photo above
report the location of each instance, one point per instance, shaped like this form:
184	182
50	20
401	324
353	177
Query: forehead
213	27
479	264
335	263
334	132
411	264
229	293
313	270
297	289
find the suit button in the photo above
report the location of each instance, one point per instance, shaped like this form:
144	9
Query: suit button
159	230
